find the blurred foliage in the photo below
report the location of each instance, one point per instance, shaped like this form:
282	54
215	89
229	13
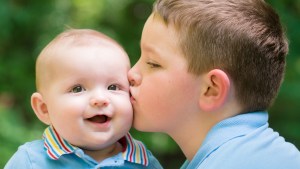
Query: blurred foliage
28	25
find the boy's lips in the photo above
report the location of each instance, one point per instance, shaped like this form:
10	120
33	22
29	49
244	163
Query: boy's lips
132	99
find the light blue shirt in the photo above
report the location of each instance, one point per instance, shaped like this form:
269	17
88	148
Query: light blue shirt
55	152
245	142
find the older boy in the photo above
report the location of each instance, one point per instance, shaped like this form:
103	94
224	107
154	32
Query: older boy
83	95
208	72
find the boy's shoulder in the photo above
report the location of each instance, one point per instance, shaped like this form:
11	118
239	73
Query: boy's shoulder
262	148
245	141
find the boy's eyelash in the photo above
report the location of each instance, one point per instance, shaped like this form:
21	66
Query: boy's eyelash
153	65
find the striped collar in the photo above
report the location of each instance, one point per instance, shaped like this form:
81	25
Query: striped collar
133	151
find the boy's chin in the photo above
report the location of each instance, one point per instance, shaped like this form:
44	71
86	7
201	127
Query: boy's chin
143	128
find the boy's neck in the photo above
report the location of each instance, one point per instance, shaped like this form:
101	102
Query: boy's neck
191	134
189	142
100	155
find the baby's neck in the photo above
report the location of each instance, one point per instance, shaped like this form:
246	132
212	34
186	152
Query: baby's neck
100	155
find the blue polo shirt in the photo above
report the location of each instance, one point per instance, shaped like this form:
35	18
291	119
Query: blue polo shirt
55	152
245	142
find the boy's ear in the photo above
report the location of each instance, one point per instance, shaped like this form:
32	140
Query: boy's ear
215	90
40	107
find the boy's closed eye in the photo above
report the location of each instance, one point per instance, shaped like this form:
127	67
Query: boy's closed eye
153	65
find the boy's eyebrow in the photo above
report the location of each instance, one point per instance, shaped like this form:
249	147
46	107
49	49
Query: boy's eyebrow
153	52
149	49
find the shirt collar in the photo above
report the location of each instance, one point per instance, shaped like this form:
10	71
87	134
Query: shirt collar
133	151
226	130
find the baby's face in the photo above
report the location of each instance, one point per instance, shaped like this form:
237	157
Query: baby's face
88	95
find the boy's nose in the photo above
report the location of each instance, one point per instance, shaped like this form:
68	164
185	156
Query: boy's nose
134	77
99	101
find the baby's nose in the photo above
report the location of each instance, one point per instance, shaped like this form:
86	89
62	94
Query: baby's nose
99	101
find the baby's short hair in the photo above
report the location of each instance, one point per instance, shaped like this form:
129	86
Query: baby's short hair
244	38
65	40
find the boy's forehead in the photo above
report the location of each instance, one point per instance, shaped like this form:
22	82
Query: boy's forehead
158	36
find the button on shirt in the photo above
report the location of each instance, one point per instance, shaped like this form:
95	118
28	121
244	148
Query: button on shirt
245	142
55	152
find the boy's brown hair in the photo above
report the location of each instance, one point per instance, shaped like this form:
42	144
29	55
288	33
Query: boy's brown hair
244	38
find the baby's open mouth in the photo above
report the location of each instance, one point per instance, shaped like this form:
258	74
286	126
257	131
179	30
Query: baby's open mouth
99	119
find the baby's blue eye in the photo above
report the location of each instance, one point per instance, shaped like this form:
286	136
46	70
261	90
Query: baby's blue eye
77	89
113	87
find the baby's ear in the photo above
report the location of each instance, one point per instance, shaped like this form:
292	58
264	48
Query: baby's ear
40	107
215	90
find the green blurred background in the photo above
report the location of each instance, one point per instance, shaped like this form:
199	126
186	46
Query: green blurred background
26	26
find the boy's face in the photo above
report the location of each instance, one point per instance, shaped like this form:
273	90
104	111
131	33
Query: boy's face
163	92
87	97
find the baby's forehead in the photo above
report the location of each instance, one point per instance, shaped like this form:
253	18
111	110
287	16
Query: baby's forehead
80	40
73	41
88	47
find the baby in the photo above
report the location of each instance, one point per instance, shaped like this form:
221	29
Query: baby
83	95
